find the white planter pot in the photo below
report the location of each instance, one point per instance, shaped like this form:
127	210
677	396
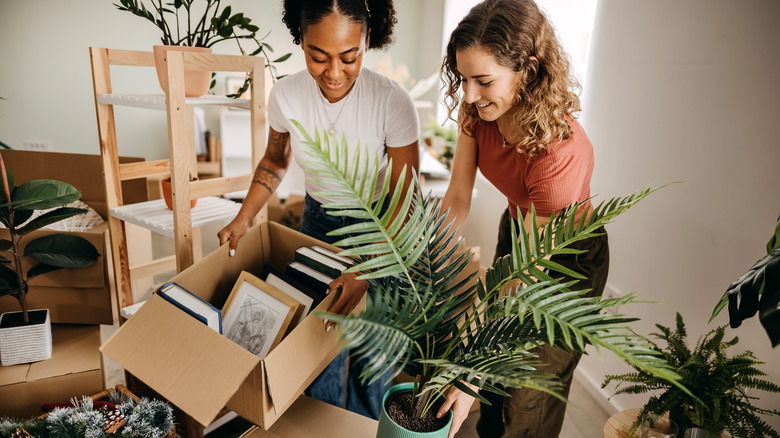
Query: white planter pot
27	343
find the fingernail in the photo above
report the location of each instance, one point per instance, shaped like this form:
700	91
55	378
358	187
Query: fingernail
232	252
328	292
328	329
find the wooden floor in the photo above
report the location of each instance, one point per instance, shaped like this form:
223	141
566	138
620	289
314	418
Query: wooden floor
585	418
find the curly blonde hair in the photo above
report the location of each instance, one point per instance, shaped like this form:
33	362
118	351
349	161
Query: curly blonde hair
514	31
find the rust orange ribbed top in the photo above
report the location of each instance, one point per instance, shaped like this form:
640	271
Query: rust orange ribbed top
558	177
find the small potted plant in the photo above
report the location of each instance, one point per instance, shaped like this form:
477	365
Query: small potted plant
25	336
196	26
718	385
165	186
419	321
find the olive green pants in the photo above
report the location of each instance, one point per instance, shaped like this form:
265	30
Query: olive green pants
531	413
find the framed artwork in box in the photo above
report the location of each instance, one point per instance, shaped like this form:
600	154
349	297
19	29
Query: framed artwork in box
256	315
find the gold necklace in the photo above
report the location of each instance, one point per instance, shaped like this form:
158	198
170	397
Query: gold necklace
506	143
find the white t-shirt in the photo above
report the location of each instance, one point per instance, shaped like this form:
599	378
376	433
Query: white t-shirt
377	112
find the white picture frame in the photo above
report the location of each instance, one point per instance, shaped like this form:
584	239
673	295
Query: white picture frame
256	315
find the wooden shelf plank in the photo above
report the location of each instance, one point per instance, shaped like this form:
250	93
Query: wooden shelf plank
155	216
157	101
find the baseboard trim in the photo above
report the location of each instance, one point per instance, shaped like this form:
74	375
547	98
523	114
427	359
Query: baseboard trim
593	387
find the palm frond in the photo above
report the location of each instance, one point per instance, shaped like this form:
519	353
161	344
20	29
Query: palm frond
420	320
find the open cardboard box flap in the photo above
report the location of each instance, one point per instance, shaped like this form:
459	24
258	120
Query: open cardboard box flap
288	366
179	363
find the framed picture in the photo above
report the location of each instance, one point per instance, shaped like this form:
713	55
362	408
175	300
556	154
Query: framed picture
256	314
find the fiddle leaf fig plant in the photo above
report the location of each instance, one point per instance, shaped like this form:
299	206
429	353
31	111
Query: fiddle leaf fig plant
52	252
446	333
204	23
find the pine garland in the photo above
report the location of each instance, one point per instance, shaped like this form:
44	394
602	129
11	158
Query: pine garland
147	418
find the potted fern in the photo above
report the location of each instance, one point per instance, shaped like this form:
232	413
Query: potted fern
445	334
718	385
196	26
25	336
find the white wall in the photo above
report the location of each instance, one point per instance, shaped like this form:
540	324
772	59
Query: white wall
47	83
687	91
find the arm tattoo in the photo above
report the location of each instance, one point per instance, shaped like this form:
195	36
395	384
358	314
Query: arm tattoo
278	146
277	153
266	177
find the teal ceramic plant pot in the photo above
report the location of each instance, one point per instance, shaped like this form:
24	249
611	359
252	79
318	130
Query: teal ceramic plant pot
390	429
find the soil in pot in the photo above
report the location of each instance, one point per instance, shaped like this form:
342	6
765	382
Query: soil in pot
15	319
399	408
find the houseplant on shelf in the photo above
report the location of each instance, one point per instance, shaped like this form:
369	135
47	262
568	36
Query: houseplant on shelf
193	25
26	336
419	321
718	382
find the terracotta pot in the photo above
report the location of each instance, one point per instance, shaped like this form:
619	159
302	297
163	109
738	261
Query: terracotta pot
166	190
196	82
25	343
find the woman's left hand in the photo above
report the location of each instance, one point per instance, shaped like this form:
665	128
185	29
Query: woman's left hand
460	402
352	291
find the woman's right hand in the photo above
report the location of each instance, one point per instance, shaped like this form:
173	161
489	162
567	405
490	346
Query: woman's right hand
233	232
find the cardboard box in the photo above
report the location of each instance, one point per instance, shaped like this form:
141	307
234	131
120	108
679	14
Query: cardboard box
75	369
78	296
201	371
306	418
288	212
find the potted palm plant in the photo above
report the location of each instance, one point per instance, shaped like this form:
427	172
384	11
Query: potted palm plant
25	336
419	321
191	25
718	385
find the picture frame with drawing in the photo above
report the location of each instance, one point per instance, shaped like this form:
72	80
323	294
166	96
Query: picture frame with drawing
256	315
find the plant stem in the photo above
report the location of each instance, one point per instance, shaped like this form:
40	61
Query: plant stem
421	400
22	297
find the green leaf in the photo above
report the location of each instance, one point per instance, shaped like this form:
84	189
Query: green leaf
43	194
50	218
283	58
8	278
41	268
62	250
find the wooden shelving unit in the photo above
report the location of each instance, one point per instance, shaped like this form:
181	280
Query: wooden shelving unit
153	215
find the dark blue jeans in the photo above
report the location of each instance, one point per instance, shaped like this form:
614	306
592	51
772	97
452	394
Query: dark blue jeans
339	382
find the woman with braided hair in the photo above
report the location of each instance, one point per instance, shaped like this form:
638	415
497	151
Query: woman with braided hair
338	97
517	126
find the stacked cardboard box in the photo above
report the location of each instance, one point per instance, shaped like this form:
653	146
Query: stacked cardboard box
78	300
75	369
84	296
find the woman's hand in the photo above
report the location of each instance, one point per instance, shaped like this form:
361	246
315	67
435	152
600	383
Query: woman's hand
233	232
352	290
460	402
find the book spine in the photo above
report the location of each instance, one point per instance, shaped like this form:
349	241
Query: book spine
317	265
184	308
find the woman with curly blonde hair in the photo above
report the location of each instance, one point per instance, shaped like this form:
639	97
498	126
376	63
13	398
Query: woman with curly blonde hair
517	126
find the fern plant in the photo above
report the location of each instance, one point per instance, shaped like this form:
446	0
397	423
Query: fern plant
720	382
418	320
